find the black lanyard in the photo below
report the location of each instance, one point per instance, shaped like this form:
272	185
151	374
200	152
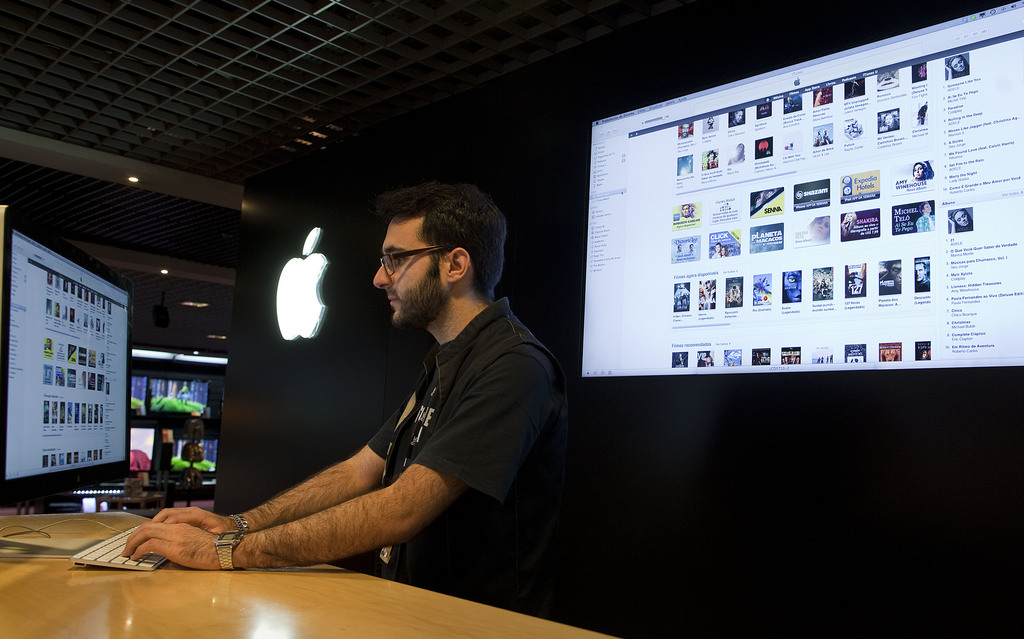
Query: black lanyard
415	414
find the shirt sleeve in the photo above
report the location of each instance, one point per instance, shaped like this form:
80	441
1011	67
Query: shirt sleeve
495	422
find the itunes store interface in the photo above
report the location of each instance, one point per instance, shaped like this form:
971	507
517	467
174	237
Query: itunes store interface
858	210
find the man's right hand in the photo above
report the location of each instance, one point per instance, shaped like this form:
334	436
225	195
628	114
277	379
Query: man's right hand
197	517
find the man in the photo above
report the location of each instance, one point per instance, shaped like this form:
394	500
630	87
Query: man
922	276
472	463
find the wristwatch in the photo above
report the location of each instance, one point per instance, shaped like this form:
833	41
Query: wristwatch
225	544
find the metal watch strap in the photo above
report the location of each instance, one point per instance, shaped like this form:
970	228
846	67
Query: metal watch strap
225	545
241	523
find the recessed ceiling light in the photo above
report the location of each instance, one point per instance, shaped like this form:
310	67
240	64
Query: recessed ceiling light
164	271
133	179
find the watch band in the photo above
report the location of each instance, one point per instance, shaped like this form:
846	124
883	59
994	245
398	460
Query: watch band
225	546
241	523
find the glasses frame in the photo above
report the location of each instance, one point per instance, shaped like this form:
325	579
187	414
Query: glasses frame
387	261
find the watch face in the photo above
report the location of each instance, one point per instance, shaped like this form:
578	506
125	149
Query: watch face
232	537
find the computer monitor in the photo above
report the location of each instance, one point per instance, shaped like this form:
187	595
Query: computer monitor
138	394
66	357
141	444
857	211
178	396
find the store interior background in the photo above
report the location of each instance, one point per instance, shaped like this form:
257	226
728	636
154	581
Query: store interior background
881	502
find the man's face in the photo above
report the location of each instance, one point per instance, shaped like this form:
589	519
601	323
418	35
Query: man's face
919	271
415	291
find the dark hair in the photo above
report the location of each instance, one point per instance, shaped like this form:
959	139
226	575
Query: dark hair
454	216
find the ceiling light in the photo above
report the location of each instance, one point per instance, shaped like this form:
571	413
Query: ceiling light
178	357
164	271
133	179
195	304
148	354
201	359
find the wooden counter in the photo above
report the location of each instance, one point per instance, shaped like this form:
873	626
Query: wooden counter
52	598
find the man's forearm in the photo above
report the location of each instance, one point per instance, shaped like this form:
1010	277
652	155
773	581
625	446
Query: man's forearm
379	518
334	485
333	533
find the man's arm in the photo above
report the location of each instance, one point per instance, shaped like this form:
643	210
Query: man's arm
336	484
383	517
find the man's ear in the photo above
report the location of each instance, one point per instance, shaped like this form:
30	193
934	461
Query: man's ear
459	266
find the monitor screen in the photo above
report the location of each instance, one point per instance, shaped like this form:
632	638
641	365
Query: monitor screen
66	357
138	394
855	211
141	444
180	396
209	463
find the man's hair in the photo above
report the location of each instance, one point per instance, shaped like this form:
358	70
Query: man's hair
454	216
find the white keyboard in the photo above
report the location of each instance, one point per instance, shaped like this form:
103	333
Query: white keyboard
108	553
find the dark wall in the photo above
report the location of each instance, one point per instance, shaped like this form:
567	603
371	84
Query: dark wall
828	504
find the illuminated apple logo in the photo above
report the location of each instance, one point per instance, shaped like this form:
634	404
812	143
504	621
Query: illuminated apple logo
300	308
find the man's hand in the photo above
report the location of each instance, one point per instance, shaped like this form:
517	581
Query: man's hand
197	517
182	543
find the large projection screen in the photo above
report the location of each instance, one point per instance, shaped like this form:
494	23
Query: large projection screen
855	211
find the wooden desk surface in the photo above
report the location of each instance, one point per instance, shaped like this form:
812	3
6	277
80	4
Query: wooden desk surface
52	598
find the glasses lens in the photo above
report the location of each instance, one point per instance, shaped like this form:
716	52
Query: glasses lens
388	259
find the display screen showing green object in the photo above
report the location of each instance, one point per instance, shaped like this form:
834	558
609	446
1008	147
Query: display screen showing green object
187	397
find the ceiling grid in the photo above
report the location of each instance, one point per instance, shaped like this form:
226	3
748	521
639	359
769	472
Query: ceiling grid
230	88
227	89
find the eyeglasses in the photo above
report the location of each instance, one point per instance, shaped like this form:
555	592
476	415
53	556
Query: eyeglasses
390	261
